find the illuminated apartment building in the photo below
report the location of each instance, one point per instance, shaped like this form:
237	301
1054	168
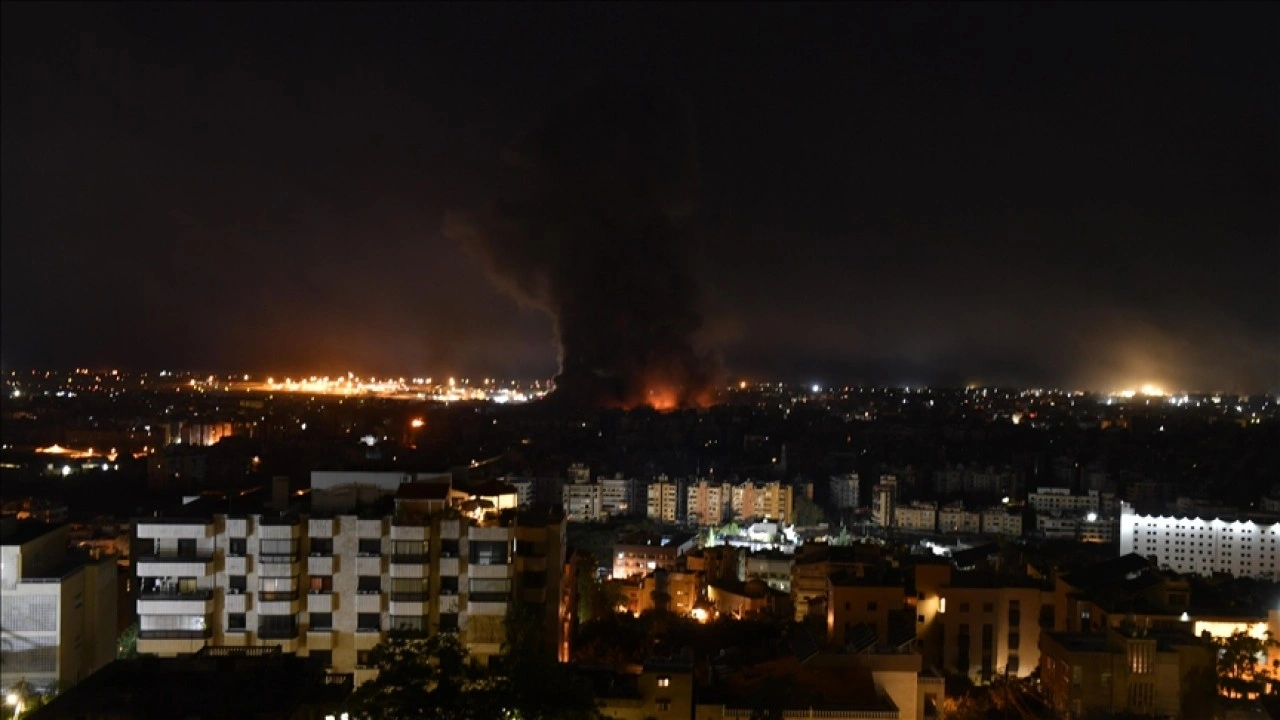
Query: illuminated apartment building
1202	546
335	581
663	501
706	503
770	501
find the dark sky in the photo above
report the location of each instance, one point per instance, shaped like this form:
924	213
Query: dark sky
1077	194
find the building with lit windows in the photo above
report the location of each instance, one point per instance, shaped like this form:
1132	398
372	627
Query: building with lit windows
1202	546
57	607
706	503
953	518
333	581
663	498
770	501
917	516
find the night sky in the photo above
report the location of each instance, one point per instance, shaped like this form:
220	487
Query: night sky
1074	195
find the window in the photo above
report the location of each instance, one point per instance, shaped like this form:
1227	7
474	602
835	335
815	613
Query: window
489	552
368	622
277	588
370	547
277	627
1015	613
236	621
535	579
664	681
320	621
490	590
408	589
1015	641
321	584
186	547
448	622
872	606
448	584
964	607
238	584
369	584
448	548
408	551
277	551
364	658
1011	668
408	625
988	607
664	704
324	658
321	547
237	547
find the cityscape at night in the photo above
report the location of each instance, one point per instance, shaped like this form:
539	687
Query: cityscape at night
640	361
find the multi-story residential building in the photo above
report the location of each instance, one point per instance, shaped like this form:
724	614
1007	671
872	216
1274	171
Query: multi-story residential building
1060	499
663	500
618	496
844	491
864	610
770	566
533	491
917	516
972	624
1097	528
1000	521
1199	546
57	607
663	689
706	503
769	501
1128	671
641	554
884	496
953	518
332	583
815	563
1057	525
584	502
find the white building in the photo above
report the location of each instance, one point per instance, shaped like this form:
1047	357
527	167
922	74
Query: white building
1057	526
1202	546
584	502
1060	499
57	608
917	517
334	583
618	495
1000	521
844	491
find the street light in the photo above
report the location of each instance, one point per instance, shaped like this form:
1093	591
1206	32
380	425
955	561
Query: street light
15	700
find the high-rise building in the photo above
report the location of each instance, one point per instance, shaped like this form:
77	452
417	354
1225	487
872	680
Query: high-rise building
663	500
57	607
584	502
844	491
335	581
769	501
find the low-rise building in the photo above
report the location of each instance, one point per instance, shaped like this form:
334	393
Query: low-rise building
953	518
771	566
641	554
1128	670
916	517
1002	522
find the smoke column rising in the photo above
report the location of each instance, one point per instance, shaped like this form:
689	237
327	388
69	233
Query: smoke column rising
597	238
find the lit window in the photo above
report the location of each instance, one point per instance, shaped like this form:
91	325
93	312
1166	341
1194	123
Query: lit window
664	681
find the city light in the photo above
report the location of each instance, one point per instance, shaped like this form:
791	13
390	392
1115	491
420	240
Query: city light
417	423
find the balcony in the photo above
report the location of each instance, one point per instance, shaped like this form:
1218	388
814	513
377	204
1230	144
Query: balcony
238	527
369	529
409	558
489	604
175	528
175	634
322	527
276	569
448	566
278	603
368	602
196	602
322	565
489	571
407	607
236	602
277	633
409	570
237	565
368	566
448	603
404	528
166	565
321	602
320	638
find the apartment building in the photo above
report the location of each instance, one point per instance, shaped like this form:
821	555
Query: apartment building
864	610
884	498
844	491
973	624
953	518
334	582
1060	499
1127	671
1001	521
917	516
1202	546
706	503
815	563
641	554
57	607
584	502
769	501
771	566
663	501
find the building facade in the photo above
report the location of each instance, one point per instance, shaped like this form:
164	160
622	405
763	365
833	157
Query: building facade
663	501
844	491
57	608
1200	546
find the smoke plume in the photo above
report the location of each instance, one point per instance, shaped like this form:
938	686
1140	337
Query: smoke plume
597	237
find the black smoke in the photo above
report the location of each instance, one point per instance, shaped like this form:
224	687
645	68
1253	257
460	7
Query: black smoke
597	235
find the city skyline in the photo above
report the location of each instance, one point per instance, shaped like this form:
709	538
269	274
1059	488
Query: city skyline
1043	196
